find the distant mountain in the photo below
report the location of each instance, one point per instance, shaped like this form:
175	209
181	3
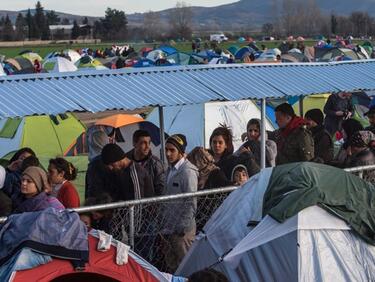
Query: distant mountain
250	13
238	15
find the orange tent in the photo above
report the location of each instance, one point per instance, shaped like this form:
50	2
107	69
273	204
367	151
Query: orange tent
101	267
119	120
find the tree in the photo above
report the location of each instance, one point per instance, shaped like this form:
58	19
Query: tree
180	20
114	25
52	18
21	27
151	25
334	24
85	20
65	21
8	32
75	31
41	22
267	29
31	26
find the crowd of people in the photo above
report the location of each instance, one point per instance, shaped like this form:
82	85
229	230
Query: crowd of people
114	175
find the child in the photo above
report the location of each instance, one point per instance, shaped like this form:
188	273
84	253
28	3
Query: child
239	175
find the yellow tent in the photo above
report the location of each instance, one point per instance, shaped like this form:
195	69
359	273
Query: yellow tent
312	102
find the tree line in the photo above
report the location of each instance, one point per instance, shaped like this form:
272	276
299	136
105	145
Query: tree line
289	17
294	17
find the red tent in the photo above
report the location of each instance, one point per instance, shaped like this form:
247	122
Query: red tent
101	267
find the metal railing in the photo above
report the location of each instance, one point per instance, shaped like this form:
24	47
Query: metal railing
138	223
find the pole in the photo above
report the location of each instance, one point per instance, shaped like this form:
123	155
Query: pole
162	137
263	134
301	106
131	226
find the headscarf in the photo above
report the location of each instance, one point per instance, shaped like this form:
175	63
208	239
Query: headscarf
39	177
363	139
204	161
97	141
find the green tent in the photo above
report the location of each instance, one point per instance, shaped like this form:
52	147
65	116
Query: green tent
48	136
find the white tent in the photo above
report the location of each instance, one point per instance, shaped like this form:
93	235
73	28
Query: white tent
2	72
73	55
204	118
226	228
310	246
59	64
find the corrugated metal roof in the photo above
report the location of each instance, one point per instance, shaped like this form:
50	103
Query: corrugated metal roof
96	91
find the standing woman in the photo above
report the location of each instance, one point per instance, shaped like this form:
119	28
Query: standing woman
252	145
60	173
221	148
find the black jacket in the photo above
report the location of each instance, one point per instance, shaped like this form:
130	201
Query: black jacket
155	169
323	144
334	103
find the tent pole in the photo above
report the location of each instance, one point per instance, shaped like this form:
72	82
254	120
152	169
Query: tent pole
263	135
162	136
301	106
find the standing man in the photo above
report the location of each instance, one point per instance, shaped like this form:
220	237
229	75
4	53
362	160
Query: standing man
129	180
323	144
142	155
178	230
338	108
294	141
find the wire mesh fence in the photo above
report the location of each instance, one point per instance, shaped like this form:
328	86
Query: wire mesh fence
148	227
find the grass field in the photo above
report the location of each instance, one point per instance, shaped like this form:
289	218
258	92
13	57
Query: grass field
43	50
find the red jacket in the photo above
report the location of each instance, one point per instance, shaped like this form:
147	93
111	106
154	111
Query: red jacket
68	195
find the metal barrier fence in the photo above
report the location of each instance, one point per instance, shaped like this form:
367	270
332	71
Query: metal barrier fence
142	223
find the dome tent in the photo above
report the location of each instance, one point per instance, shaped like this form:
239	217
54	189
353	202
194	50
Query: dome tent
274	228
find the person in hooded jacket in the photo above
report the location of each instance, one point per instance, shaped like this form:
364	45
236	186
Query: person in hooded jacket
294	141
362	146
323	144
252	145
33	195
349	127
221	148
210	175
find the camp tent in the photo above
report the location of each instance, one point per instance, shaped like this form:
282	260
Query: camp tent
244	243
206	117
311	246
47	135
73	55
32	57
101	267
59	64
2	72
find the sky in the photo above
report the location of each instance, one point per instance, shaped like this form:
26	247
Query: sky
97	7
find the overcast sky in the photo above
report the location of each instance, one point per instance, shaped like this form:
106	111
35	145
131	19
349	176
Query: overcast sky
97	7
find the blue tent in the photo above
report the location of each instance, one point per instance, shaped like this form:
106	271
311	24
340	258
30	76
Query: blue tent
143	63
241	53
168	49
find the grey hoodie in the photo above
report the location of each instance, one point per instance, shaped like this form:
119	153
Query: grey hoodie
179	215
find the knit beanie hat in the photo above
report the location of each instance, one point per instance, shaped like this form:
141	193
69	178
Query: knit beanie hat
285	108
315	115
39	177
179	141
112	153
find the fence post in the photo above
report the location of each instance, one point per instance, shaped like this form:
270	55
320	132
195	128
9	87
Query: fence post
131	227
